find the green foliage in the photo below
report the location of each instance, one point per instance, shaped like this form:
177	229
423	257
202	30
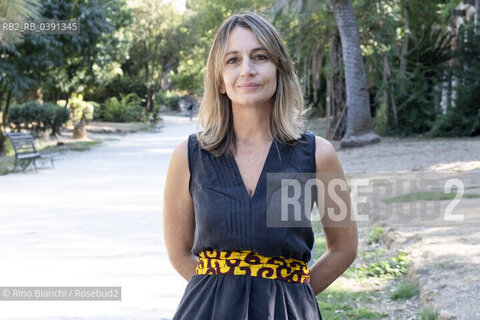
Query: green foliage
405	290
189	76
396	266
33	116
335	303
118	87
464	118
375	235
126	109
80	110
168	98
14	10
62	115
38	117
80	58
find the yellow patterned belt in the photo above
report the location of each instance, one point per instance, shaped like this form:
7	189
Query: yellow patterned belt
249	263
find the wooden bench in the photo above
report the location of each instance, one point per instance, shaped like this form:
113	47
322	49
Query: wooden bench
25	151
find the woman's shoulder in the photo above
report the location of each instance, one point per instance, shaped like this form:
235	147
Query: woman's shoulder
180	152
326	157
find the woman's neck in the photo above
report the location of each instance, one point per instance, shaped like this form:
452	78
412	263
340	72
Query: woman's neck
252	124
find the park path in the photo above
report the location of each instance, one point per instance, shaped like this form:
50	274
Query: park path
94	220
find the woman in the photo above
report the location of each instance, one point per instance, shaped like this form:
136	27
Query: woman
215	229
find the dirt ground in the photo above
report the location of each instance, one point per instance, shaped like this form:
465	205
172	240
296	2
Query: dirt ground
445	255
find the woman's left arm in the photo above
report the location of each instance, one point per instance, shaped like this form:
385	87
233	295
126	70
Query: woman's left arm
340	234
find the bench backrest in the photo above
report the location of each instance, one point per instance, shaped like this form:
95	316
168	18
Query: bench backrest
23	143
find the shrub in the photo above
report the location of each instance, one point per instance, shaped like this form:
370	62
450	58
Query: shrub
32	116
168	98
62	115
405	290
38	117
79	110
395	267
428	313
375	235
126	109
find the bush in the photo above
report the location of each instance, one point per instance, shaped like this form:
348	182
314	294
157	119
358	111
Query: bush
168	98
375	235
118	87
126	109
38	117
62	115
79	110
32	116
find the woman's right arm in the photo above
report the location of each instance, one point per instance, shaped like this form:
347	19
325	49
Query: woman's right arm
178	214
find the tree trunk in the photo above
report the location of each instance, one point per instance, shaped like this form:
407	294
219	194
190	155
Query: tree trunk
150	102
359	129
4	123
336	90
404	52
69	93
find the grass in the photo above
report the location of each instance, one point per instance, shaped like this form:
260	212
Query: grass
375	235
428	313
404	290
429	196
6	165
70	146
338	303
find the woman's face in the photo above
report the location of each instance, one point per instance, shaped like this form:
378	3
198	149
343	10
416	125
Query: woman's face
249	75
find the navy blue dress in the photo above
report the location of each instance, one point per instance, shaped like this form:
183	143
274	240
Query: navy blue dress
227	219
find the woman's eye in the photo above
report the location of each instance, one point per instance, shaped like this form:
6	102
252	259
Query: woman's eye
231	60
260	57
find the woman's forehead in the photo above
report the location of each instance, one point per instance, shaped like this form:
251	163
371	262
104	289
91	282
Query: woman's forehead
241	39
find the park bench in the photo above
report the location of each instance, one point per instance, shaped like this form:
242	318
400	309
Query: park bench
25	151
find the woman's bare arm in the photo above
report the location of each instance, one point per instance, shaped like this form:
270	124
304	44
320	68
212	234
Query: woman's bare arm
178	214
341	236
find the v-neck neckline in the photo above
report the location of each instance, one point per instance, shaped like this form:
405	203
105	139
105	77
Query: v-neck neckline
262	173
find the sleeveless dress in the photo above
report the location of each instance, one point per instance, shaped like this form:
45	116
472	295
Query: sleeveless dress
227	219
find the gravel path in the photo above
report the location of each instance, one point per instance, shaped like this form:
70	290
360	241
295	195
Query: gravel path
445	256
94	220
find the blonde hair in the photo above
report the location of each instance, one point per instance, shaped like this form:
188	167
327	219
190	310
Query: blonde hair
215	113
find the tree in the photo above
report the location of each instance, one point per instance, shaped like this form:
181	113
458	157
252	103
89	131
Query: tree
82	55
12	80
157	42
359	130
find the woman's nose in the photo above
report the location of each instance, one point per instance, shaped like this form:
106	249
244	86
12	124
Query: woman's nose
248	68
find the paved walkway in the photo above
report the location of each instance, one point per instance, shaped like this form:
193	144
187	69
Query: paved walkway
94	220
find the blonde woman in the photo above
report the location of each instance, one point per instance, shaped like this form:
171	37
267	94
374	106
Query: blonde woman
215	227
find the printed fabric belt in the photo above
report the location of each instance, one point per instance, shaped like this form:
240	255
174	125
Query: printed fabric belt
249	263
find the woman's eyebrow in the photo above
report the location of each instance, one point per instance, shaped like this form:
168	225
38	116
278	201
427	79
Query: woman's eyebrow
254	49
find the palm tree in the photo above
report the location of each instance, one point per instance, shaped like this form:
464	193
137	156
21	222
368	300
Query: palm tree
359	129
17	10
